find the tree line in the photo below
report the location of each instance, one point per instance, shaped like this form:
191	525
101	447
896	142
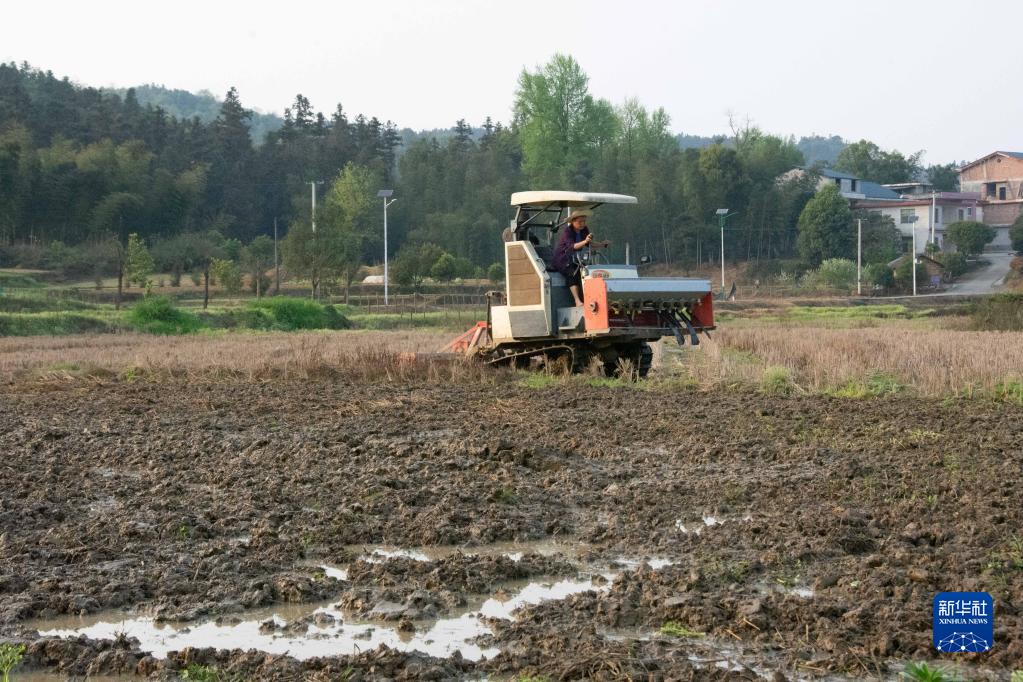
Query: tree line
82	169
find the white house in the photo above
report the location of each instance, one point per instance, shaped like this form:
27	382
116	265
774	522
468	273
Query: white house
933	214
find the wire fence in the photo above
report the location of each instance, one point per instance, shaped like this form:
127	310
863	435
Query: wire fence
448	309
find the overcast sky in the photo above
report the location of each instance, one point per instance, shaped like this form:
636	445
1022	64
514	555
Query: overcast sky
940	76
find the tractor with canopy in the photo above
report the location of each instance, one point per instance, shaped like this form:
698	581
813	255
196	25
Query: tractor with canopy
535	321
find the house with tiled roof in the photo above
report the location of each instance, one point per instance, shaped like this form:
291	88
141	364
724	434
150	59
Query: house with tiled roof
998	179
926	214
850	186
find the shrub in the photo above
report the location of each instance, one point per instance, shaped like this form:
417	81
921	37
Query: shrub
838	273
1000	312
157	315
227	273
904	274
969	236
777	381
1016	234
495	273
878	274
811	279
289	314
445	269
954	262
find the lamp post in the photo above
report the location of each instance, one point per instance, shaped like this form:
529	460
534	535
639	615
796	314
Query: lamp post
859	256
723	215
385	194
912	227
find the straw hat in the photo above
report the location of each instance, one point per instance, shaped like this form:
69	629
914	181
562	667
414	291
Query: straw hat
579	213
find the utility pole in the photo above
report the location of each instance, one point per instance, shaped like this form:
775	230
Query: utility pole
277	264
722	221
316	280
386	194
859	256
912	226
312	186
722	214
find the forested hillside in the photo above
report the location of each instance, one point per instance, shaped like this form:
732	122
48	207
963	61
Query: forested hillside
80	166
203	105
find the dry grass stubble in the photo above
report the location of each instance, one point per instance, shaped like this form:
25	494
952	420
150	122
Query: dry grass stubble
934	363
354	355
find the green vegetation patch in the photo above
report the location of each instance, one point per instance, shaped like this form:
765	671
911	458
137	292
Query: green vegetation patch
10	657
13	278
40	301
777	381
157	315
921	672
675	629
290	314
385	321
540	381
876	385
54	324
1002	312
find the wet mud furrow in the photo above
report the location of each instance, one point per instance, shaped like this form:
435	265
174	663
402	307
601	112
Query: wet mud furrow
798	537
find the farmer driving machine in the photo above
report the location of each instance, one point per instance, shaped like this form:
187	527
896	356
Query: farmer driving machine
535	321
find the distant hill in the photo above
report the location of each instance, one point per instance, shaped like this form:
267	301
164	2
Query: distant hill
698	141
816	149
823	150
204	104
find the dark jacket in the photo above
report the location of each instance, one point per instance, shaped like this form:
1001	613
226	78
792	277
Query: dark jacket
565	249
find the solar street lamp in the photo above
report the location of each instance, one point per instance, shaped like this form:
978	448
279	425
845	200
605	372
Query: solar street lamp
723	215
385	194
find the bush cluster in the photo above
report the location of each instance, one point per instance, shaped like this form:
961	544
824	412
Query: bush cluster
157	315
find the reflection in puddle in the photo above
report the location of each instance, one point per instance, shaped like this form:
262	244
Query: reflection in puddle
303	633
654	563
513	550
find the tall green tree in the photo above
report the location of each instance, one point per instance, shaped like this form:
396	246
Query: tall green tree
352	221
866	160
826	228
561	126
1016	234
969	236
944	177
139	264
258	258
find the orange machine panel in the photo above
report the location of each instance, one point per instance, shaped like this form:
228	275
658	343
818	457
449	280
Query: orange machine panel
703	312
595	310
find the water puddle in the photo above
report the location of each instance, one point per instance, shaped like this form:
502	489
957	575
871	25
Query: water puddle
513	550
794	589
695	525
305	631
653	562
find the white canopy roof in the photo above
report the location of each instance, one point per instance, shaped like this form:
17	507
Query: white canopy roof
543	197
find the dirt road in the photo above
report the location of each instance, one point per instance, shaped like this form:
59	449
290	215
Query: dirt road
793	537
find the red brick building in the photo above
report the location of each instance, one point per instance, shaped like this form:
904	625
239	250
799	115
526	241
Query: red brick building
998	177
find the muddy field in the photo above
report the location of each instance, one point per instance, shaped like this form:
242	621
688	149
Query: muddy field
333	530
